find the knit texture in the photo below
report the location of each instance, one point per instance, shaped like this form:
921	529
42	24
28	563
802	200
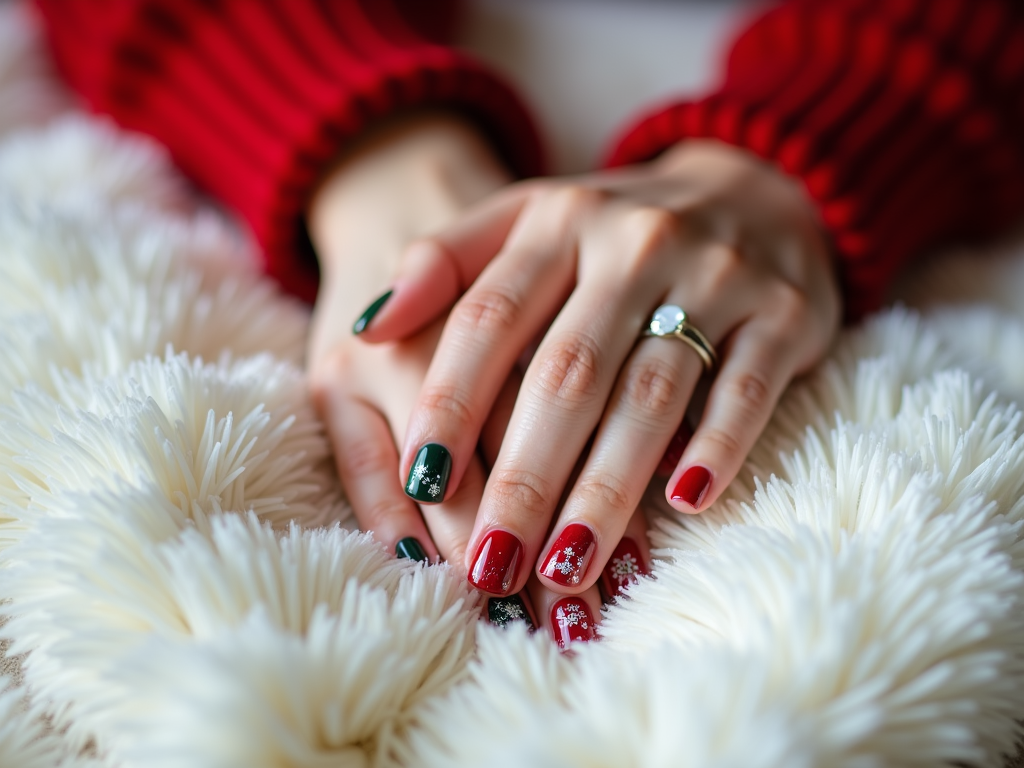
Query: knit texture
254	99
902	119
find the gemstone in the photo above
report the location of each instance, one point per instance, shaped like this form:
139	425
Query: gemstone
666	319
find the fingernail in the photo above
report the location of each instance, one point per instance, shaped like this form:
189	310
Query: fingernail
411	549
504	610
497	563
572	622
369	312
692	486
569	558
624	566
428	476
675	449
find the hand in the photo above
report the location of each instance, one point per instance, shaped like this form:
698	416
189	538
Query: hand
409	178
706	227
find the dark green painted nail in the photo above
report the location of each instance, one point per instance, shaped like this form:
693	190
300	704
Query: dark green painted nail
369	312
428	477
411	549
504	610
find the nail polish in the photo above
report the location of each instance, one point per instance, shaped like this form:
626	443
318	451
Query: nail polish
504	610
411	549
624	566
428	476
675	449
497	562
692	486
369	312
571	621
569	557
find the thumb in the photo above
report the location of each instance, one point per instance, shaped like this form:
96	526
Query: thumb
435	271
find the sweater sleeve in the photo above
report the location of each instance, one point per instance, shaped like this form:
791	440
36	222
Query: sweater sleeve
902	118
253	98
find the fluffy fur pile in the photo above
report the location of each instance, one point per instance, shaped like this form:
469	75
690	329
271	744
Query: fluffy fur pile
174	569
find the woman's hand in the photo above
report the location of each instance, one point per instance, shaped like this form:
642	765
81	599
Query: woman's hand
409	178
412	177
584	262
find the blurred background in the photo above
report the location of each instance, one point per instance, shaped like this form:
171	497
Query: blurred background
587	66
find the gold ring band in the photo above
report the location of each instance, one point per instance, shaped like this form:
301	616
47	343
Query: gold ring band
670	320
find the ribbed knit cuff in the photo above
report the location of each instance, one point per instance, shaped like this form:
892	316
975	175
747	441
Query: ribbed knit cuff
903	123
254	99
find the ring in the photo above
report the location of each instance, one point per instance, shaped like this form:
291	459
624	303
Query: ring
670	320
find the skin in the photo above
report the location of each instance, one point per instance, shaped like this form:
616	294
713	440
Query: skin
581	263
393	187
558	276
411	177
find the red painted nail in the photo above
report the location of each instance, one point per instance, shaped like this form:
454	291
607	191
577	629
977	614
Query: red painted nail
569	558
692	486
675	449
623	568
572	622
497	563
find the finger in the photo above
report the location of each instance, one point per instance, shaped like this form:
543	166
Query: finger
758	365
435	271
643	413
482	339
561	401
565	391
630	559
497	422
451	523
674	452
568	619
367	462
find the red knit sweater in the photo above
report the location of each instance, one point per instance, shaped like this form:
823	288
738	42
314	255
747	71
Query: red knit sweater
903	118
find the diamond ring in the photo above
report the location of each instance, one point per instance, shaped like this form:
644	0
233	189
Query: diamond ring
670	320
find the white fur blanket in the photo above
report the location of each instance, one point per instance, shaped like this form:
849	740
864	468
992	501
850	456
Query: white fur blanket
854	600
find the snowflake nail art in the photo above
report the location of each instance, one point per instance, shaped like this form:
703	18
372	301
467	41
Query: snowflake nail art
511	611
575	616
504	610
571	621
567	562
428	476
624	568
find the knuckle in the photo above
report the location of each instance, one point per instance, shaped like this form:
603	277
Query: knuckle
750	392
574	198
652	388
450	403
723	263
651	229
380	511
791	304
488	311
724	442
531	187
568	373
606	492
654	223
326	370
521	492
359	458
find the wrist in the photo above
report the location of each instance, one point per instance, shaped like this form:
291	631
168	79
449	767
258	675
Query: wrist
409	176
